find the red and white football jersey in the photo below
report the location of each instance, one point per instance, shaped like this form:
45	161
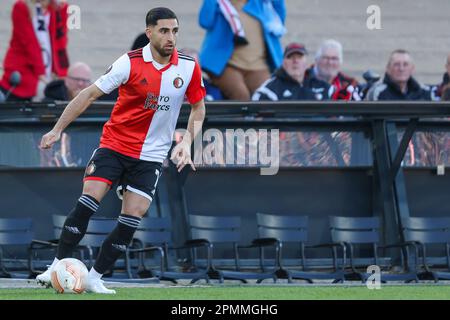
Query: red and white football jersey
144	117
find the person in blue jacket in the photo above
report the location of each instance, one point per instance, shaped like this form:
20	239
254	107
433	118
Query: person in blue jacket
242	43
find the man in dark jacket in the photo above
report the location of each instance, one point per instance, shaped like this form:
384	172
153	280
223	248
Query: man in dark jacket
287	82
327	67
78	77
398	82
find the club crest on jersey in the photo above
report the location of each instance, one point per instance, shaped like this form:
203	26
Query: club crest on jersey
178	82
90	169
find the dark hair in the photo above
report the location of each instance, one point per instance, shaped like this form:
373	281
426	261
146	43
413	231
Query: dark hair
159	13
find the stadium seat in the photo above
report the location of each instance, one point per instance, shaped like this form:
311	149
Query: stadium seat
155	235
426	234
14	232
294	230
357	231
226	230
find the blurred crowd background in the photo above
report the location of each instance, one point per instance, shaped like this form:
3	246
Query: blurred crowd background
109	27
413	43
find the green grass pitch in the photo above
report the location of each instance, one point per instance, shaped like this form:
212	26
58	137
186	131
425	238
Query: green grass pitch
421	292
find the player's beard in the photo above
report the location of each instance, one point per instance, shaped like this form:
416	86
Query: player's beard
164	52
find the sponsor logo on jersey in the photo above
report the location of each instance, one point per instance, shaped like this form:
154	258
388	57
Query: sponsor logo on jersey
157	103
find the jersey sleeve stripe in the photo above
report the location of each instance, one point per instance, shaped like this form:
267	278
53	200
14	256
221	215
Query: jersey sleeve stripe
135	53
184	58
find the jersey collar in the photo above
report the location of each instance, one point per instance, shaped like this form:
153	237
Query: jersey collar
147	55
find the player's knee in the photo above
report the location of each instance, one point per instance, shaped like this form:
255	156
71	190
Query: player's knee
95	191
137	209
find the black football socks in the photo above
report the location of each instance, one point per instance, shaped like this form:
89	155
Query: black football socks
76	225
116	243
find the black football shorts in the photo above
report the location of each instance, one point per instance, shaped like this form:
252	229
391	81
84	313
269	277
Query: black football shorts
132	174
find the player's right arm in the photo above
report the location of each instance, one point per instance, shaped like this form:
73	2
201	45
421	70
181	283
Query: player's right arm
71	112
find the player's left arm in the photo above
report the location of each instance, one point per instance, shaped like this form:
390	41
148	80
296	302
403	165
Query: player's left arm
195	93
181	153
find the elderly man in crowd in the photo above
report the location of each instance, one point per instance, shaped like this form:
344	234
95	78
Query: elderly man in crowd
78	77
327	67
398	82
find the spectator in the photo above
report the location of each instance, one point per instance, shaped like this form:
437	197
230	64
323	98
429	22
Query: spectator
241	49
38	46
398	82
140	41
287	81
327	67
445	80
78	77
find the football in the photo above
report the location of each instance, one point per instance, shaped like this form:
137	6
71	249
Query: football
69	276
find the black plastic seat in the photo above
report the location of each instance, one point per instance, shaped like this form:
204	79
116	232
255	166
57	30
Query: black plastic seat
426	232
225	230
294	230
356	231
14	232
155	235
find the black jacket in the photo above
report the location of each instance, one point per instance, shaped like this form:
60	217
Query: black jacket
348	86
283	87
57	91
388	90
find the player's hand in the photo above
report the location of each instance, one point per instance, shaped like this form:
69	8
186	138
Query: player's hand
181	156
49	139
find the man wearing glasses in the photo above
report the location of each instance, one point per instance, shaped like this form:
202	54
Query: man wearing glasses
78	77
327	67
